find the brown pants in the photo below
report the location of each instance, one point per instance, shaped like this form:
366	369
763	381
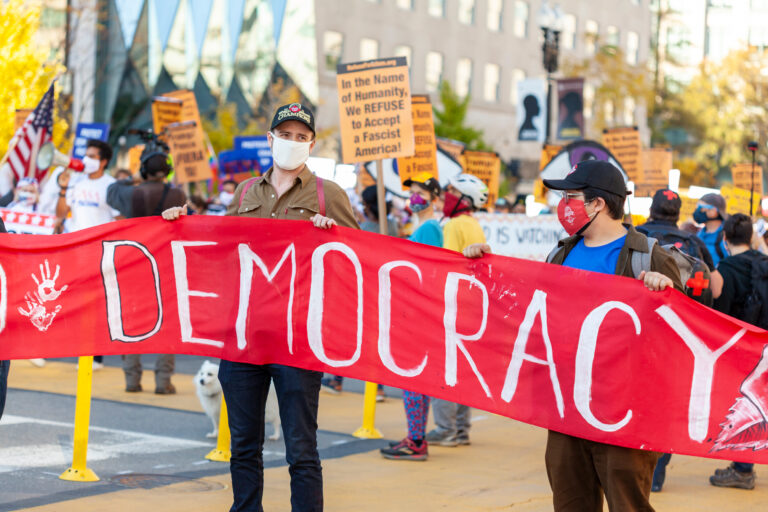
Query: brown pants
580	471
164	366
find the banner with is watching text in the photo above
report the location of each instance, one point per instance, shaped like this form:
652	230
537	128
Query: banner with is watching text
592	355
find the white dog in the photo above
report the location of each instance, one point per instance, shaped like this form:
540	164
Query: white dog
209	392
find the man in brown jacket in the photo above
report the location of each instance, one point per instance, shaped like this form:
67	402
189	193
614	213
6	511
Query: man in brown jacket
286	191
591	211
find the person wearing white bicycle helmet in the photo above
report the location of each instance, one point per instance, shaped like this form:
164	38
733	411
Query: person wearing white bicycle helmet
464	194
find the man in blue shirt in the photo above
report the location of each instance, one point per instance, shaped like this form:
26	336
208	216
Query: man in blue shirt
711	212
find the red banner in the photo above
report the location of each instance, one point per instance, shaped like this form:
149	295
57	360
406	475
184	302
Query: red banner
587	354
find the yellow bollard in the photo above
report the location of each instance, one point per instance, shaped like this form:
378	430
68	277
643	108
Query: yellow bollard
222	451
369	430
79	472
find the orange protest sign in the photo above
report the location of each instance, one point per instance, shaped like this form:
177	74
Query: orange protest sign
655	171
375	110
687	207
165	111
742	177
454	148
424	158
624	143
190	162
20	117
189	110
486	166
134	158
548	152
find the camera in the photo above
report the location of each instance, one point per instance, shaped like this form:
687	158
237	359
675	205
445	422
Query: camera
153	146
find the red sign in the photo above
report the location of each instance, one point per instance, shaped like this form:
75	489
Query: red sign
591	355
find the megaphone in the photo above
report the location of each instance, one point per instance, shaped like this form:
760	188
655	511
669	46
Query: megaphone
49	155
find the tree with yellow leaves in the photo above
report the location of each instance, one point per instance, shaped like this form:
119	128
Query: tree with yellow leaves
25	67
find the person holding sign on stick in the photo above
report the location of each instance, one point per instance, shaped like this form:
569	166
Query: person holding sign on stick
286	191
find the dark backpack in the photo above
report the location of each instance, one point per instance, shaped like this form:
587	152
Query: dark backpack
755	309
672	236
694	273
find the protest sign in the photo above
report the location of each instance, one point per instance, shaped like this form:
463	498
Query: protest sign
548	152
255	147
424	158
505	335
165	111
238	162
531	109
743	177
486	166
624	143
86	131
190	160
687	207
134	158
570	114
520	236
20	116
375	110
189	110
27	223
452	148
737	200
654	175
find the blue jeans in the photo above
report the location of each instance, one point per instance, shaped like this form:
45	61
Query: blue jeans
743	467
4	367
245	389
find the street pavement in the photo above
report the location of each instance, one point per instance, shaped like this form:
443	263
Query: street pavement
149	450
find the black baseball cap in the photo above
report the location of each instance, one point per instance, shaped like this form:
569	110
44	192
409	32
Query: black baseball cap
294	112
666	204
426	180
597	174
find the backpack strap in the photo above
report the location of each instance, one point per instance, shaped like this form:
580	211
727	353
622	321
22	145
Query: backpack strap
250	182
553	253
641	261
159	208
719	245
320	195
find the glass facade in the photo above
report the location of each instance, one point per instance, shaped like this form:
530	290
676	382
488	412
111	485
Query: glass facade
245	52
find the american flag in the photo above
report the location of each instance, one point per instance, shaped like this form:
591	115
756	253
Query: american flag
35	132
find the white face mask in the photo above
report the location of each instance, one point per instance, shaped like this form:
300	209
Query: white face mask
91	165
288	154
226	197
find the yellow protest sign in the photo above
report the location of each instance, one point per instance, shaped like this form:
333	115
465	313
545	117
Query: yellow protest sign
743	178
548	152
454	148
134	158
486	166
624	143
424	158
687	207
375	110
190	161
189	110
21	115
165	111
737	200
655	171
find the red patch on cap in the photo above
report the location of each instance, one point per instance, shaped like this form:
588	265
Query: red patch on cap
670	195
295	108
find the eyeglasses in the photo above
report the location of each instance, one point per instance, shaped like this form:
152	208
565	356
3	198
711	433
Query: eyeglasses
705	206
572	195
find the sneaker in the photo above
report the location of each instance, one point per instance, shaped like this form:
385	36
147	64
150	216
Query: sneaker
440	439
380	395
133	388
97	366
406	450
170	389
39	362
729	477
330	385
463	440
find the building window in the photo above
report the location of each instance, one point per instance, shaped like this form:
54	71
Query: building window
434	71
521	18
612	36
568	36
608	107
589	100
629	112
333	46
518	75
436	8
369	49
464	77
491	86
591	29
467	11
405	4
404	51
633	47
494	15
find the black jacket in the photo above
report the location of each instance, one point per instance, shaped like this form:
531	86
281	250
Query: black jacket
664	226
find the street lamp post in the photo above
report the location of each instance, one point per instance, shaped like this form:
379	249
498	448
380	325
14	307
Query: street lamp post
550	22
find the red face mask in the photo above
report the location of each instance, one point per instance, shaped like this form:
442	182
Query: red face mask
573	216
454	205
